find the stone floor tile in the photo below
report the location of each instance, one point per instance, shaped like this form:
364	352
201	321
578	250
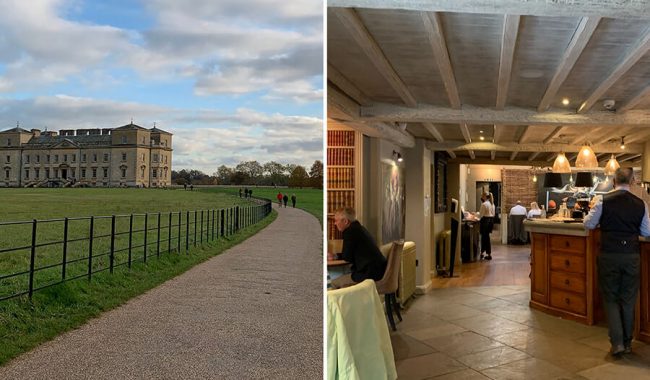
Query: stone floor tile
517	313
462	344
488	303
518	298
496	291
439	329
405	346
492	358
564	327
528	369
466	374
452	312
490	325
427	366
622	369
413	319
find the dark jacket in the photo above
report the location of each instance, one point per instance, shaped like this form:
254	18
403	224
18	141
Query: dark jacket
620	222
359	248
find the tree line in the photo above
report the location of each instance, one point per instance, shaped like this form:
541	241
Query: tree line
253	173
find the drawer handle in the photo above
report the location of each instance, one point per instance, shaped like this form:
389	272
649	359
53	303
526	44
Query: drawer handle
567	282
567	263
567	301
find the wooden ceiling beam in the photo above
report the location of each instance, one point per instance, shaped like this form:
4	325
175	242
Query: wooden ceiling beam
472	155
384	131
556	132
524	134
642	95
533	156
465	131
562	8
508	116
493	154
487	161
632	157
351	21
340	106
433	131
513	155
436	36
635	54
578	42
531	147
508	44
498	133
340	81
451	154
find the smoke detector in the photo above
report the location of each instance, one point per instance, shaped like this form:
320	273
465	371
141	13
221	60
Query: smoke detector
609	104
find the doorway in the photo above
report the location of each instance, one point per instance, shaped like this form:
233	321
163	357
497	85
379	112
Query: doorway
64	173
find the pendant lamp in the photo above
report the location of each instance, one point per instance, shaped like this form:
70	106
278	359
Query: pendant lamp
561	164
586	158
611	166
584	179
553	180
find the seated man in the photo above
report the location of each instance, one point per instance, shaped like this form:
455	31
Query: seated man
359	249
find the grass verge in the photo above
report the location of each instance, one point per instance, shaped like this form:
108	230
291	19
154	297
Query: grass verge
52	311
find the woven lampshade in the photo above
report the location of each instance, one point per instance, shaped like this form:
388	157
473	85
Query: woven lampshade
586	158
553	180
561	164
611	166
584	179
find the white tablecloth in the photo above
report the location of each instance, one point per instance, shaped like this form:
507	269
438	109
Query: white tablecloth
358	341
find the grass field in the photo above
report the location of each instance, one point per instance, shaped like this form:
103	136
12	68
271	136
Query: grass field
58	308
310	200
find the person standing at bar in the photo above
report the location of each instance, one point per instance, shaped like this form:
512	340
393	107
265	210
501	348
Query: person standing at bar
622	217
486	224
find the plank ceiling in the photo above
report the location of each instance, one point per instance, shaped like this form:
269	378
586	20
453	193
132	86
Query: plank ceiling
456	72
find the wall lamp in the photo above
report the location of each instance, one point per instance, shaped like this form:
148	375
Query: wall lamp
397	156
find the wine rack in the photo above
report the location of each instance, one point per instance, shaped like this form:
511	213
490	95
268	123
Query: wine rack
342	174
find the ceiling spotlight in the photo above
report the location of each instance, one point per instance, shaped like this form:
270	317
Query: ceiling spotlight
565	101
397	156
623	142
482	138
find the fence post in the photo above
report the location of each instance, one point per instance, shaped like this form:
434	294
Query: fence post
65	247
201	232
236	218
90	247
195	215
213	225
158	238
111	258
130	237
187	232
31	259
146	232
169	234
178	245
221	224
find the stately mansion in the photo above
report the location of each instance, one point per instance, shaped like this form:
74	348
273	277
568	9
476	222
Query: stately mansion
110	157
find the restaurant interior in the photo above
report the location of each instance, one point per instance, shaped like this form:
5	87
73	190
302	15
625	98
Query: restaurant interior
431	104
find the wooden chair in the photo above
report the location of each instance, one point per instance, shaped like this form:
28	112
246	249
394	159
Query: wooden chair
388	284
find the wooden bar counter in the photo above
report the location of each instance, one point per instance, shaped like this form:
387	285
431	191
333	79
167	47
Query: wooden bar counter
563	276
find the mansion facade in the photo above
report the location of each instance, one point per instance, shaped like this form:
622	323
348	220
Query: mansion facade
129	155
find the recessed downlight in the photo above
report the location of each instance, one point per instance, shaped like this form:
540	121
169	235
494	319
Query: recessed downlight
565	101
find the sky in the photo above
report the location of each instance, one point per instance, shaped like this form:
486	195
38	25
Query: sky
233	80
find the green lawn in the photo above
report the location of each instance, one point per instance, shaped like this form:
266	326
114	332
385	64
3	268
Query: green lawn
310	200
58	308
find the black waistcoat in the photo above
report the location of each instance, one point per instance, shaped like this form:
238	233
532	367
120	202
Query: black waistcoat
620	222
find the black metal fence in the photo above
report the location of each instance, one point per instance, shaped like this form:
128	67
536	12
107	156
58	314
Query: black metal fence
33	256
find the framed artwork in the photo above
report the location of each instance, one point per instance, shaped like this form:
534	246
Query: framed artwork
393	213
440	184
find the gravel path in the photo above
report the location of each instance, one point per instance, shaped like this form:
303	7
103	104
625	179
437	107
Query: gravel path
253	312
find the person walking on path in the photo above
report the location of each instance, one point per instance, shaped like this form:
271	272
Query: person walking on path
279	199
623	217
486	224
293	200
206	323
285	198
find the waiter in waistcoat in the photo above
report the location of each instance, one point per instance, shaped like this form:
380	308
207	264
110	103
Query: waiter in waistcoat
622	217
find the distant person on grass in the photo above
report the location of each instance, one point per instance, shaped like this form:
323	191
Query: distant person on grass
279	199
250	193
285	199
240	191
293	200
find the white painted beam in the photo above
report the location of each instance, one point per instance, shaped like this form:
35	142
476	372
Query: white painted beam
636	53
472	155
513	155
434	131
369	46
487	161
436	36
493	154
340	106
508	44
384	131
451	154
556	132
508	116
580	38
533	156
637	9
340	81
524	134
531	147
644	94
498	132
465	131
629	158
